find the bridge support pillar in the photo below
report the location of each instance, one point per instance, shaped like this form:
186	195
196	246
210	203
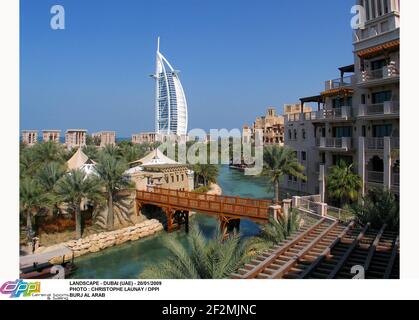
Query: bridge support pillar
169	216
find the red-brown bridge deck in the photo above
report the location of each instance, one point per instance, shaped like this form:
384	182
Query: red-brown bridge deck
227	206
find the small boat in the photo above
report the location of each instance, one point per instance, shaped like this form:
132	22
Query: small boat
39	266
44	270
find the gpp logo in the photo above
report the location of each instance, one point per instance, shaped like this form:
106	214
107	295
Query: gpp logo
20	288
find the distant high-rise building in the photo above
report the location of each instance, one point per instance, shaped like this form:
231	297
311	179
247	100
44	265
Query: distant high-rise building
170	104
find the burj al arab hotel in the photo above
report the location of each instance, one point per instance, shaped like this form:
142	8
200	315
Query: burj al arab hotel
170	104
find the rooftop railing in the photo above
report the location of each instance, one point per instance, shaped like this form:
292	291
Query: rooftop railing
338	83
294	117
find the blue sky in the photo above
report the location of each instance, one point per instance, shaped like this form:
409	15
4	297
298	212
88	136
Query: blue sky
236	57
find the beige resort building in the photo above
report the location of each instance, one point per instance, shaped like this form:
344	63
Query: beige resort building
144	137
51	135
157	170
357	119
29	137
105	138
75	138
271	125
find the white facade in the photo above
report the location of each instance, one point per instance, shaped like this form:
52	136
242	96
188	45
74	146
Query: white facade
357	120
171	106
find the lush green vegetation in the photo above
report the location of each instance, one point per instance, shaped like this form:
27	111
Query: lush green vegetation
204	174
215	258
279	162
378	207
75	188
48	191
202	189
276	231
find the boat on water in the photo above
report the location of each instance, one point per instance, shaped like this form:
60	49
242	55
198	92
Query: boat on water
52	264
47	270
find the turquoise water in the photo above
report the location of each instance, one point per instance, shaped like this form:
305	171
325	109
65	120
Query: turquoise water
128	260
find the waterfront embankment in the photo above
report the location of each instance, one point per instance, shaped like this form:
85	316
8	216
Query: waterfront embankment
101	241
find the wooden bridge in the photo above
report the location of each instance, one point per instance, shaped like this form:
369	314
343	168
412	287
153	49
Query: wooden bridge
177	205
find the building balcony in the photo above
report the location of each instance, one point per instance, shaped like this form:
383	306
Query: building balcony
338	144
374	143
339	83
293	117
385	109
375	177
377	144
337	114
374	77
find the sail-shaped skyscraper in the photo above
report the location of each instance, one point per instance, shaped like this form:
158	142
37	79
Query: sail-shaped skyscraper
171	106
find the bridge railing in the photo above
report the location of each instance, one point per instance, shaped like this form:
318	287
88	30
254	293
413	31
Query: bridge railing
252	208
211	197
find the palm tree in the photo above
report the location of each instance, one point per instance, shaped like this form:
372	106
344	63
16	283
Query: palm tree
216	258
75	187
111	150
111	172
132	152
32	199
276	231
206	173
378	207
48	152
278	162
47	176
343	183
27	164
91	151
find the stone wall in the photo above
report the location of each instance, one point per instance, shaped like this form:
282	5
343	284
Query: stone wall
101	241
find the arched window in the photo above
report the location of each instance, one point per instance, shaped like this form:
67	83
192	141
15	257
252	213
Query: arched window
295	134
289	134
303	131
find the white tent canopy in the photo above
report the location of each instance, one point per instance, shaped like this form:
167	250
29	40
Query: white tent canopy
82	162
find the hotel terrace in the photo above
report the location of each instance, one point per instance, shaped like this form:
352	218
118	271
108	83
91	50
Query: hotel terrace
357	119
